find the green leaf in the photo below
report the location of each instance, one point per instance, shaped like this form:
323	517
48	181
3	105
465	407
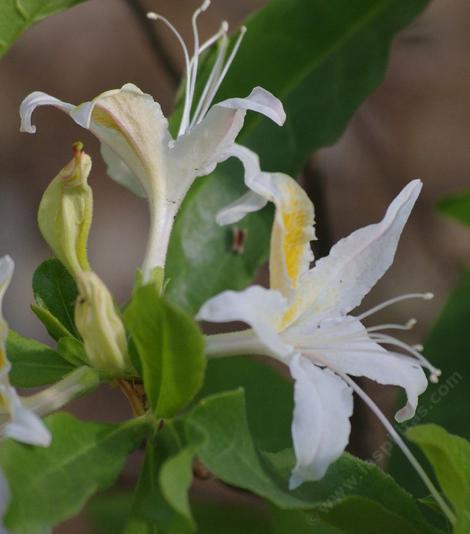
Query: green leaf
321	58
34	364
51	484
359	515
171	350
201	259
55	293
445	403
450	457
266	391
218	429
16	16
72	350
289	521
109	512
160	502
176	477
457	206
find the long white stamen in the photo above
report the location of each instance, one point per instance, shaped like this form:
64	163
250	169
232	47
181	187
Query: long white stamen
214	74
194	63
222	31
185	119
212	79
213	92
389	340
392	326
399	441
425	296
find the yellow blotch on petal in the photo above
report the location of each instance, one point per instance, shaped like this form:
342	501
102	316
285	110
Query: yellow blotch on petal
292	232
103	118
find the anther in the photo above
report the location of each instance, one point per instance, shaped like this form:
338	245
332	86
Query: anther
434	378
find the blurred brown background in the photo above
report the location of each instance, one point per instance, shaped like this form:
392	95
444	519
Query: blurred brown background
417	124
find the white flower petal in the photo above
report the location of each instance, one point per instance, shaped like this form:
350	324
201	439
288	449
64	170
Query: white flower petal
261	101
37	99
344	345
28	428
128	121
121	173
250	201
133	126
321	426
293	230
211	141
234	212
338	283
23	424
257	306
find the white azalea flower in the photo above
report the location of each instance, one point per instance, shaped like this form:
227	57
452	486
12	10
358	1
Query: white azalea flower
304	321
16	421
137	145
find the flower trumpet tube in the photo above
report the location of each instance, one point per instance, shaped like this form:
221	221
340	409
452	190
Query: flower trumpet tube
138	148
65	212
304	320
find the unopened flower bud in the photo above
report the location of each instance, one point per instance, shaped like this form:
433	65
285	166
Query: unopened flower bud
100	326
65	212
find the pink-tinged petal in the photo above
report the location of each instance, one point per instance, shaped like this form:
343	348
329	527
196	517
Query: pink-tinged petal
339	282
257	306
321	426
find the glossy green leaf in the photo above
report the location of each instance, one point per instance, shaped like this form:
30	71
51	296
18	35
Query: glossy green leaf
160	503
109	513
219	430
34	364
51	484
449	455
267	392
359	515
321	58
445	403
55	293
290	521
16	16
202	260
171	350
457	206
72	350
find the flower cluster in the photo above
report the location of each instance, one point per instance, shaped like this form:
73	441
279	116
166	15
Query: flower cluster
305	319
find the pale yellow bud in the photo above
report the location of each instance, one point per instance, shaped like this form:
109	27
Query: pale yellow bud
65	212
100	326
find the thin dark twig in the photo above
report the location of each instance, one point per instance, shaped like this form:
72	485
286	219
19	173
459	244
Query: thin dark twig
160	52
